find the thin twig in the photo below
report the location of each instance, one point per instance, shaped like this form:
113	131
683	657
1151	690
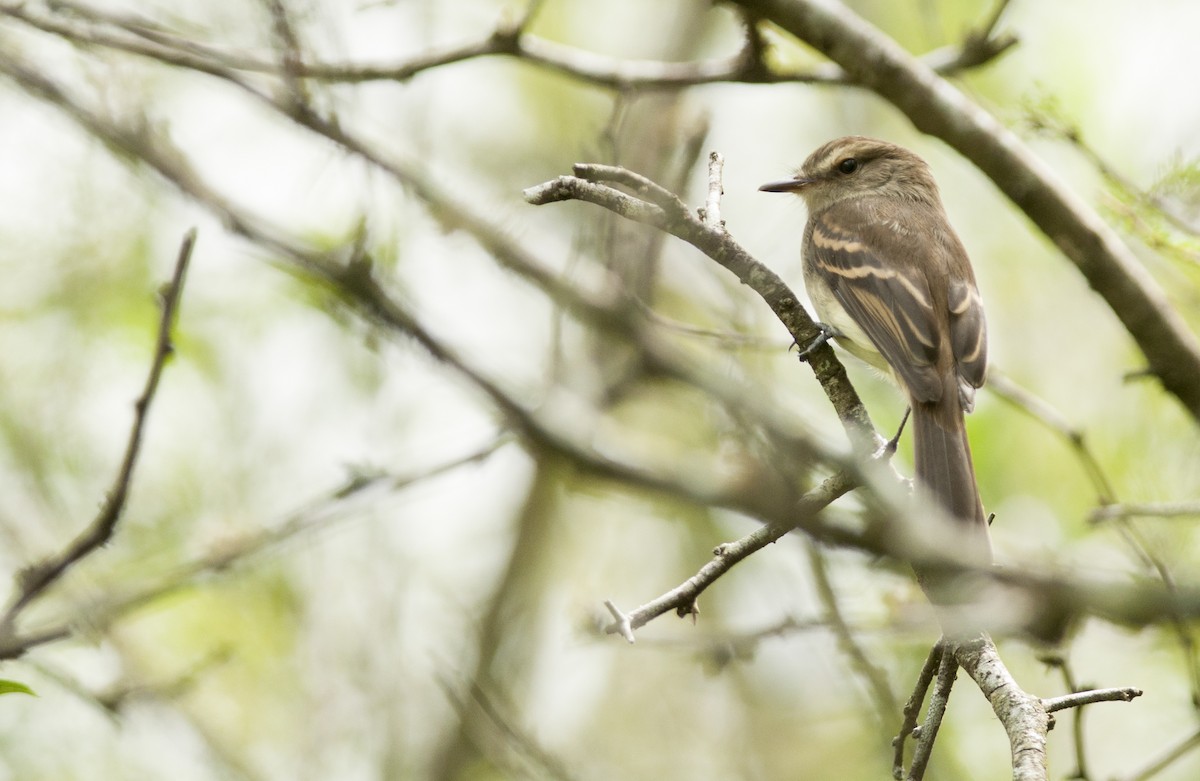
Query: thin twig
749	65
725	556
319	513
912	708
39	577
1077	732
1079	699
923	750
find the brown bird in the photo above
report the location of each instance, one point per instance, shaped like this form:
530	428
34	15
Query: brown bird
892	284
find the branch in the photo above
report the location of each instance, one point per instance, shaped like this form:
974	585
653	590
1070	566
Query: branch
1058	595
318	513
1079	699
36	579
912	708
1001	385
654	206
750	65
682	598
1024	716
934	106
947	671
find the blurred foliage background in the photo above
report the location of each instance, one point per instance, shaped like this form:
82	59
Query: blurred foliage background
306	582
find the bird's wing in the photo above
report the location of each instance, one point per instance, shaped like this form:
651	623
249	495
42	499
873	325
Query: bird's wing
887	296
968	332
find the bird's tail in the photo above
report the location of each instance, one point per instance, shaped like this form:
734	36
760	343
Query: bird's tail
947	476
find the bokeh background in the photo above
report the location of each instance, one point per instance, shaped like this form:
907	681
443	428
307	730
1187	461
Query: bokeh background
248	622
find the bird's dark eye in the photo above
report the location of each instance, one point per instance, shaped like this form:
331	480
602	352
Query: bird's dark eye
848	166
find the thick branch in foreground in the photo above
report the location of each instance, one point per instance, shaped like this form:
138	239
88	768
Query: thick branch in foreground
934	106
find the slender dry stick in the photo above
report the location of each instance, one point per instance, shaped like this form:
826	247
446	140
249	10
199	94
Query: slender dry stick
36	579
912	708
947	670
682	598
1079	699
317	514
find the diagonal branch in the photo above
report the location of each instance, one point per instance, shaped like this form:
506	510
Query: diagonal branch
912	707
875	61
682	598
322	512
36	579
652	205
1024	716
947	671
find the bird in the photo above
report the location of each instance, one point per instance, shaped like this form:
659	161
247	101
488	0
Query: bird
892	284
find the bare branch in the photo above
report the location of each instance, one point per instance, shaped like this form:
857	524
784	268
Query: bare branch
749	65
666	212
36	579
683	597
927	733
1079	699
878	63
318	513
912	708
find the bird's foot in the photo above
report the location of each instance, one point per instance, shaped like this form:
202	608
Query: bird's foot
827	332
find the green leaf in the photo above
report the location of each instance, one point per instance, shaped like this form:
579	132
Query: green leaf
13	687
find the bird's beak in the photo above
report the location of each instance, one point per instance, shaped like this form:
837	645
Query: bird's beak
793	185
